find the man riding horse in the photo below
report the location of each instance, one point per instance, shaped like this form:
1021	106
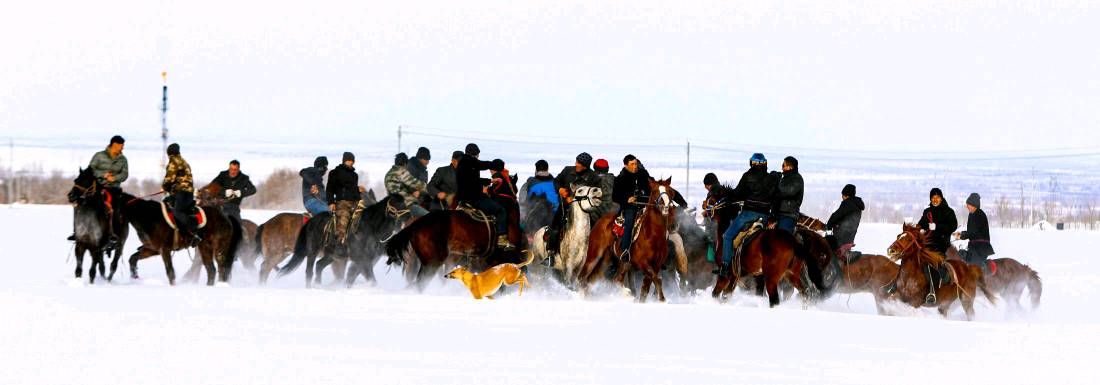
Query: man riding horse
579	174
443	184
399	181
236	187
111	169
940	221
755	189
788	196
844	222
313	186
631	192
470	191
978	249
179	185
343	194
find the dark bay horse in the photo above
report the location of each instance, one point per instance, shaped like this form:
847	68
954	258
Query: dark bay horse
1007	278
768	256
913	283
442	237
220	238
91	223
364	243
649	252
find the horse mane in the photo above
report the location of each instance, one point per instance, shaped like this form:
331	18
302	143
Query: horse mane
376	216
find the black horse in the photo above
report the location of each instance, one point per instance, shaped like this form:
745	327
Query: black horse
377	223
91	224
537	212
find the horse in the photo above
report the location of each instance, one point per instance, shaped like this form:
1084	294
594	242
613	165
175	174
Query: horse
648	253
1007	278
220	238
377	221
869	273
537	213
769	256
90	224
689	245
574	240
440	237
275	240
211	195
913	283
822	254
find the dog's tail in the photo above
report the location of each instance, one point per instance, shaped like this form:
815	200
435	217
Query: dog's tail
530	258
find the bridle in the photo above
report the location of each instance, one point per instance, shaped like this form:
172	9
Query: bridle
914	242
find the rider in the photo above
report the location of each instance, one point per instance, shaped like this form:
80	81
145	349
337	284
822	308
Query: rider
788	196
581	174
977	232
631	189
542	184
236	186
939	220
343	194
399	181
111	169
845	221
469	181
418	165
313	182
443	186
755	189
180	187
607	186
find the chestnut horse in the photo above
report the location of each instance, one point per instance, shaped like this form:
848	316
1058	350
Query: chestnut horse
648	253
275	240
769	257
90	225
870	273
913	283
1007	278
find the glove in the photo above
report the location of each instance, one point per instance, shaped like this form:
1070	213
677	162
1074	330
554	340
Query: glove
931	227
228	193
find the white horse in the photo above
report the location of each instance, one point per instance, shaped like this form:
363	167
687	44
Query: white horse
574	241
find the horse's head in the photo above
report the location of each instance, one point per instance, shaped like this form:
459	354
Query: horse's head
370	198
718	198
909	242
85	186
811	223
660	195
588	197
210	194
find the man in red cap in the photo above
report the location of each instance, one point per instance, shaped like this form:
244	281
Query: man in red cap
607	185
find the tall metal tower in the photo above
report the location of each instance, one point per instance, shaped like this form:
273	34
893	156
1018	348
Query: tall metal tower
164	119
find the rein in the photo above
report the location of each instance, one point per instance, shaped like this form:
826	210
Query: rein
144	197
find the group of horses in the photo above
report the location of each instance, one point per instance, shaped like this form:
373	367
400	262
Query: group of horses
668	245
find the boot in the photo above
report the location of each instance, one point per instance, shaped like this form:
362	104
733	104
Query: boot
945	275
504	244
933	284
195	240
625	256
723	270
72	237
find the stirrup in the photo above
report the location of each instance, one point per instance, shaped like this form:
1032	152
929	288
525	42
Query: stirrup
723	270
930	299
625	256
893	287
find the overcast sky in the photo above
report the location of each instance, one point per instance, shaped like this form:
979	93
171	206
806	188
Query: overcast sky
865	75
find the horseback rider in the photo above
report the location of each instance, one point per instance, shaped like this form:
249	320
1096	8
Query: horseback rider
111	169
500	184
755	190
470	191
844	222
542	184
443	185
236	187
788	196
607	186
631	192
343	194
940	221
977	232
581	174
399	181
313	182
179	185
418	165
710	184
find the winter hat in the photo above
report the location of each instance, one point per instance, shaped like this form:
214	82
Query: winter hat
472	150
710	179
117	139
601	165
497	165
348	156
321	161
849	190
935	191
174	149
401	159
423	154
456	155
758	158
974	200
585	160
792	161
541	165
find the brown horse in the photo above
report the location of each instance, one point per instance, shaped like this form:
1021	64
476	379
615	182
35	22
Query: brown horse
913	283
648	253
769	257
1007	278
442	237
869	273
221	238
275	240
245	252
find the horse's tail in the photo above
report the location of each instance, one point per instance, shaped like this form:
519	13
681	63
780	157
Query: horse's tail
983	286
258	239
399	245
1034	286
812	269
300	251
234	241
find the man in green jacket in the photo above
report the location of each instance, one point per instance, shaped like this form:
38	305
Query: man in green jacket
111	169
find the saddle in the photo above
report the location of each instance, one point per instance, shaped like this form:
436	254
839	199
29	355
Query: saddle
617	229
166	210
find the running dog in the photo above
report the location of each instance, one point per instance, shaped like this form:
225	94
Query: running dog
488	282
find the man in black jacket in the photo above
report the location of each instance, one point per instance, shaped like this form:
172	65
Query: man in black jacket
236	186
343	194
977	232
631	189
756	189
845	220
313	186
418	165
788	196
938	219
443	186
471	191
580	174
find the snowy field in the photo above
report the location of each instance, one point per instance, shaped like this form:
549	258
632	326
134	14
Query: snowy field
57	330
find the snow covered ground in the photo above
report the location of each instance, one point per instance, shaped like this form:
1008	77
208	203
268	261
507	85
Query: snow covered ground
56	330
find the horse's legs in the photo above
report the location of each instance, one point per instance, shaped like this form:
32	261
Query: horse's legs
427	272
142	253
114	262
353	273
759	285
192	274
311	260
646	282
659	286
339	268
79	251
320	268
772	285
100	263
166	255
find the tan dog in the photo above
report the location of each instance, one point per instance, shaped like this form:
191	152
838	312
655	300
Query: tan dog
488	282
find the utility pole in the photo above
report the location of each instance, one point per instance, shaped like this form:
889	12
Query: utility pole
164	119
687	179
11	171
